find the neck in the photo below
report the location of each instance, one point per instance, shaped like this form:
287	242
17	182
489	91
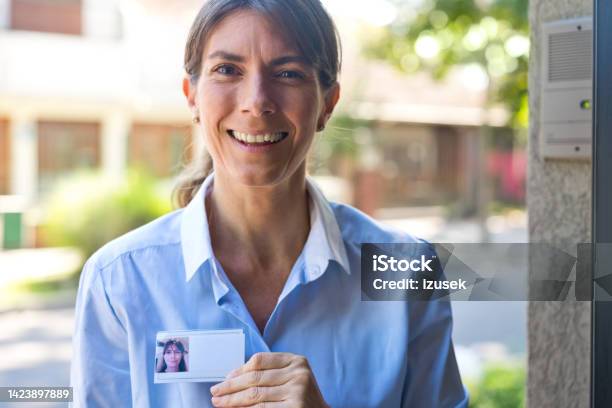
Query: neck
268	225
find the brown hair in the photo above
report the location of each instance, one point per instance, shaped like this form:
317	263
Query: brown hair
179	346
305	21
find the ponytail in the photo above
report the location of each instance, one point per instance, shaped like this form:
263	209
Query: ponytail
191	178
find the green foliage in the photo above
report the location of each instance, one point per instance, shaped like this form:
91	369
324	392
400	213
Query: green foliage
491	36
87	210
501	386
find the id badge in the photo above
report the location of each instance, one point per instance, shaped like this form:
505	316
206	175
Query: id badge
197	355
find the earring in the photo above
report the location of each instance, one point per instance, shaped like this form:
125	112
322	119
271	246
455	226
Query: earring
195	119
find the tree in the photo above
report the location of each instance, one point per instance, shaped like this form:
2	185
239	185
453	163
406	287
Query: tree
488	37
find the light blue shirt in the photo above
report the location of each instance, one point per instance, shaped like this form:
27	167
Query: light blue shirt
164	276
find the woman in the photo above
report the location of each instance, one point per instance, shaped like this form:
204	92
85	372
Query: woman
258	247
172	358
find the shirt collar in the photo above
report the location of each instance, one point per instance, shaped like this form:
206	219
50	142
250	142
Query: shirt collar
324	242
195	236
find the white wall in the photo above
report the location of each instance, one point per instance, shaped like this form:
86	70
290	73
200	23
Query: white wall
102	19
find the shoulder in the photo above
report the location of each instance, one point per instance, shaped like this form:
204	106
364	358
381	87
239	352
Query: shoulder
162	231
358	227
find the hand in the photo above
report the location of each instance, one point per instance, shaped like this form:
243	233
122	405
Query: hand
270	380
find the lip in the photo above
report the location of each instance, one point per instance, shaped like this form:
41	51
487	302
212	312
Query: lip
259	148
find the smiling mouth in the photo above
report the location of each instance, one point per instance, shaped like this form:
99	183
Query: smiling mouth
257	140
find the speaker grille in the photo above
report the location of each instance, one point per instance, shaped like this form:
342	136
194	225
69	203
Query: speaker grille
570	56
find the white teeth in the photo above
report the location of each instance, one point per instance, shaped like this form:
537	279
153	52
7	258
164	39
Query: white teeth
253	139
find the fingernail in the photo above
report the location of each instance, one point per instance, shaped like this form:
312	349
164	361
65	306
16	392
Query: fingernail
214	389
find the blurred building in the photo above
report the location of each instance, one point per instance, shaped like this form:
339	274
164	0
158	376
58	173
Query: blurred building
422	141
426	134
97	84
87	84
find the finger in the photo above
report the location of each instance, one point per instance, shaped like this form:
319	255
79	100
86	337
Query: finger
264	361
274	404
256	378
251	396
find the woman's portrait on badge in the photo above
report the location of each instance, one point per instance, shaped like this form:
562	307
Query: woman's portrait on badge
172	355
256	245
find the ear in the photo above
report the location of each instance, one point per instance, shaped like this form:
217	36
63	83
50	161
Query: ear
189	91
332	95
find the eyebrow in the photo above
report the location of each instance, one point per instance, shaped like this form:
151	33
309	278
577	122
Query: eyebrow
277	61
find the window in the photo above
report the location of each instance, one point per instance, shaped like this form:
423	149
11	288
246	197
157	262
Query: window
64	147
160	149
51	16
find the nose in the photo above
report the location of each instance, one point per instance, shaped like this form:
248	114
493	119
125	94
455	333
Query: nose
256	97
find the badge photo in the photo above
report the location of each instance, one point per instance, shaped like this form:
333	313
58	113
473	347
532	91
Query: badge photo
197	355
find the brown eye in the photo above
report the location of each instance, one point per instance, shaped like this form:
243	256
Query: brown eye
226	70
290	74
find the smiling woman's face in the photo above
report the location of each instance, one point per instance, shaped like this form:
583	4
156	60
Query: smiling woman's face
258	100
172	356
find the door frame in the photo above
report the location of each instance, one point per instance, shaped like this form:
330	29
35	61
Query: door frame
601	328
